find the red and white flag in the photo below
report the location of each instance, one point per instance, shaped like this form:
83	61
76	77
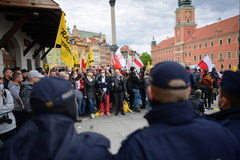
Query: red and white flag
138	61
118	60
206	63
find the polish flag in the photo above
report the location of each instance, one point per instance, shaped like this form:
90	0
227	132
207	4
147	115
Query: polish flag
138	61
118	60
206	63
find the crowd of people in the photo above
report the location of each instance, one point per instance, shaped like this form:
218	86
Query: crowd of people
175	97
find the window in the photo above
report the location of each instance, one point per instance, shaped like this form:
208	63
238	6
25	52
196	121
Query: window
220	42
189	46
212	44
229	66
229	40
178	58
195	58
189	54
200	45
205	45
212	56
200	57
186	54
220	55
221	66
194	46
229	55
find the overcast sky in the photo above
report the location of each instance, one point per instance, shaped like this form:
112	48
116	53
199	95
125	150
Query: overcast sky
138	20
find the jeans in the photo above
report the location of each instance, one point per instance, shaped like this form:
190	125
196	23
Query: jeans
81	103
137	98
90	104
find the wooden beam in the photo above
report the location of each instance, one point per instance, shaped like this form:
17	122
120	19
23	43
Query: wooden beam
29	47
7	36
37	51
44	55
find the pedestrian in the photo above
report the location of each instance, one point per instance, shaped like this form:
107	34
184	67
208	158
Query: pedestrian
89	93
25	90
51	133
206	87
197	103
173	132
7	119
104	87
229	102
7	77
18	111
24	74
135	97
118	90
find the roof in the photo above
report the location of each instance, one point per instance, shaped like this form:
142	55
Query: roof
166	43
85	34
222	27
47	4
40	18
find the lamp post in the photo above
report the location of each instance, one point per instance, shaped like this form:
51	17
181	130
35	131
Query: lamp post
114	46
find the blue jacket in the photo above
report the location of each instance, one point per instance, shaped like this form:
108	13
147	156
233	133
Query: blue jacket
229	118
174	134
52	136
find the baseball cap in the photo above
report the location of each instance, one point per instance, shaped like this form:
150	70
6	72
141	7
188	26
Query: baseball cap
35	73
164	72
54	95
231	83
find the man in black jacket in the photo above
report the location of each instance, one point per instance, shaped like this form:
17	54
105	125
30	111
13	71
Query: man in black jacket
197	103
136	82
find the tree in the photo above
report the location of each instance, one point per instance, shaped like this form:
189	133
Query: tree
145	57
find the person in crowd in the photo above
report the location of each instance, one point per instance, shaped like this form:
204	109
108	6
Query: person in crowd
33	77
215	78
73	77
104	87
63	75
80	88
53	73
197	103
229	102
24	74
142	90
7	119
198	76
147	80
118	90
14	88
7	77
89	93
192	78
206	87
51	133
135	97
173	132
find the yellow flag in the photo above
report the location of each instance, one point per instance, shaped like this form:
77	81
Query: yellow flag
234	69
62	39
76	59
90	60
148	66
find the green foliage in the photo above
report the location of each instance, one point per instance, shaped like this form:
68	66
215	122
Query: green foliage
145	57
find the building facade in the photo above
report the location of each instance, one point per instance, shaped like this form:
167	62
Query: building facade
190	44
128	53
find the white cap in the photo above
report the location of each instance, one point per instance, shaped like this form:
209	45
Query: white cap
34	73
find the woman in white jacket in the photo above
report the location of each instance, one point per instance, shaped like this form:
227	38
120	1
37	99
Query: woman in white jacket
7	119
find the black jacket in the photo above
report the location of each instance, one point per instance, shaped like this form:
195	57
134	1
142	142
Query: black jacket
136	82
89	88
118	84
198	105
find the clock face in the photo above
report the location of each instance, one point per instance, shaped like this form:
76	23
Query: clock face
188	14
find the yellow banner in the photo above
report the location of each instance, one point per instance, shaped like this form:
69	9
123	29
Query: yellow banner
148	66
90	60
62	39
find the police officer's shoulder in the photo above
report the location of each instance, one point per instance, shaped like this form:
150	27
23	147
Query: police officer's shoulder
133	135
95	139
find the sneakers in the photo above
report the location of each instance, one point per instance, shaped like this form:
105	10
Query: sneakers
101	113
108	114
92	116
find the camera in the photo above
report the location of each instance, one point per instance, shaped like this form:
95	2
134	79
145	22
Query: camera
5	119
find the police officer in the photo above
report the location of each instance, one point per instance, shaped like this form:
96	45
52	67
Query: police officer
229	102
173	133
50	134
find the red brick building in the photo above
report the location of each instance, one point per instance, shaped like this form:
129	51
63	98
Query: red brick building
190	44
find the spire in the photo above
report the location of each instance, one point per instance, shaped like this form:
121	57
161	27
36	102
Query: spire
154	43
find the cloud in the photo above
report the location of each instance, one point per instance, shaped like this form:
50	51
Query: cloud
139	20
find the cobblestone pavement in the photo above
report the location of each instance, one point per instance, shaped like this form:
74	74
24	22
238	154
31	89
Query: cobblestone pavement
116	128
